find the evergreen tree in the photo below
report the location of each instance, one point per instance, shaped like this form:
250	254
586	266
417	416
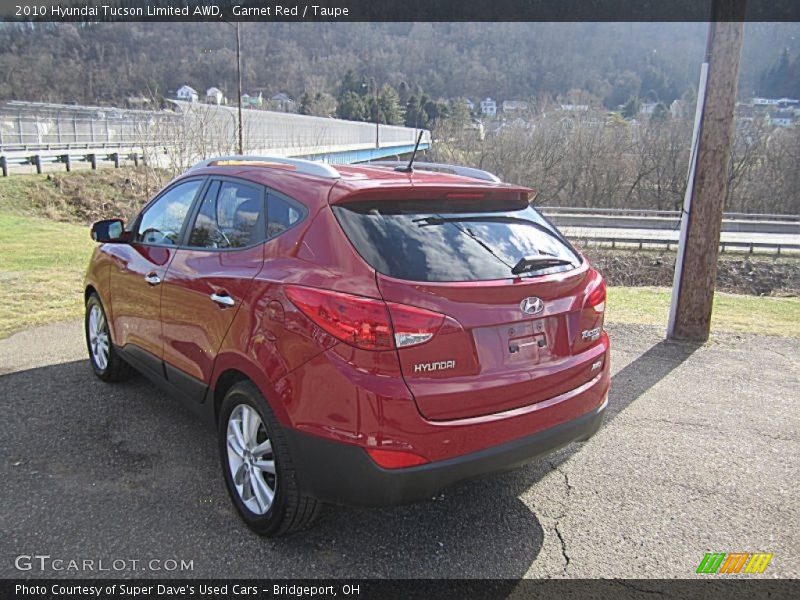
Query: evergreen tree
390	108
631	108
352	107
305	104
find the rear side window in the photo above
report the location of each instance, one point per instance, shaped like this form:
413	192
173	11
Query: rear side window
282	214
452	241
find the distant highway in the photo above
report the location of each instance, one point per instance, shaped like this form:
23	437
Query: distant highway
750	233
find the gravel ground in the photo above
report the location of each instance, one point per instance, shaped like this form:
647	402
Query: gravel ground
699	454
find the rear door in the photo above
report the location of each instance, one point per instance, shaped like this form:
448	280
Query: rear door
508	340
209	278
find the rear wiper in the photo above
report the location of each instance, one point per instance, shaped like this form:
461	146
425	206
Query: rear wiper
538	262
437	220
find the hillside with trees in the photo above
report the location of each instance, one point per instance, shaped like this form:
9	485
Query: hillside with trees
611	62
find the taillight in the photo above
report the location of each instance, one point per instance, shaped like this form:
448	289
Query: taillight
395	459
413	325
597	297
365	322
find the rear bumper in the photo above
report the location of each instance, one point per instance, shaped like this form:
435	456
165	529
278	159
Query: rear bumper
344	474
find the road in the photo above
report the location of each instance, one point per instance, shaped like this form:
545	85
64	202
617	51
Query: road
578	233
699	454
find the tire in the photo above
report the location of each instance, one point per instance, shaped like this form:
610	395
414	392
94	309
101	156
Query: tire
105	361
258	470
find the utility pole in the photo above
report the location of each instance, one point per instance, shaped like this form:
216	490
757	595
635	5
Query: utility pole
377	115
239	83
696	263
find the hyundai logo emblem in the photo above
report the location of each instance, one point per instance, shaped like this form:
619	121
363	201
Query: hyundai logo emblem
532	305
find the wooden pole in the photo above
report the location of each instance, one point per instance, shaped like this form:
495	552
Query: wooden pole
696	266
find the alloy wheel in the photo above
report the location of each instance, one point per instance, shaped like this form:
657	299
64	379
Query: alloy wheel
250	459
98	337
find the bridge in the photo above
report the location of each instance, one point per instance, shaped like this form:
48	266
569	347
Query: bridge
33	133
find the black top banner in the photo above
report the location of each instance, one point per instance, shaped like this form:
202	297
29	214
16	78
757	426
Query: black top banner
399	10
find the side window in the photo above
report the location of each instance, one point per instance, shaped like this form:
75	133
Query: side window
230	216
162	222
282	214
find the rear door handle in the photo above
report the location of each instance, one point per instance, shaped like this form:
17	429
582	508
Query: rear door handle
223	300
152	279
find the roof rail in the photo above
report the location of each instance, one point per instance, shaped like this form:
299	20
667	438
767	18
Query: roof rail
307	167
442	167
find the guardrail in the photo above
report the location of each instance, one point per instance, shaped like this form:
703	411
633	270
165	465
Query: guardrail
777	248
637	212
657	220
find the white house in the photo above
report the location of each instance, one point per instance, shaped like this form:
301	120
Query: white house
678	109
283	102
489	107
187	93
648	108
574	107
214	96
514	106
782	118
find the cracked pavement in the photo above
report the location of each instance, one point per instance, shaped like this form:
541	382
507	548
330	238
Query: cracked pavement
698	453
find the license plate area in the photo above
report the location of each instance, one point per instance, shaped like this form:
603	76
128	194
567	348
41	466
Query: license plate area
527	342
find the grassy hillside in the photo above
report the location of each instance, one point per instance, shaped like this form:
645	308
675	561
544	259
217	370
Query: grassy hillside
80	196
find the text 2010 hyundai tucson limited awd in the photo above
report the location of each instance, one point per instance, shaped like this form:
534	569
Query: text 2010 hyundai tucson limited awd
360	335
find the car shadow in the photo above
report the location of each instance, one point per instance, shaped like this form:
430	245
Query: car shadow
125	463
483	523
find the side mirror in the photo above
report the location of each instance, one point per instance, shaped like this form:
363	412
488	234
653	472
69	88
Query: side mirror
108	231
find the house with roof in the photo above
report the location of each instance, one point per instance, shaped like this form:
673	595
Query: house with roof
781	118
679	109
512	107
283	102
574	107
253	100
187	94
214	95
489	107
647	108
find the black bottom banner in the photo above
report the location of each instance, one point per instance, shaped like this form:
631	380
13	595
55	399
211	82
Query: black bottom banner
406	589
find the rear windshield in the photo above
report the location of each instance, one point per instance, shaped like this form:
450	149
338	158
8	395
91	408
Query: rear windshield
452	241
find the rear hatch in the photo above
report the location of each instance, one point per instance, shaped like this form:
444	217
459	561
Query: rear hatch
522	309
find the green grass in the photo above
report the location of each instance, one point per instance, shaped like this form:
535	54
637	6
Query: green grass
732	312
42	264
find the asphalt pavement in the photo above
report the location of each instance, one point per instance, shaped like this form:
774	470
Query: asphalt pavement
699	454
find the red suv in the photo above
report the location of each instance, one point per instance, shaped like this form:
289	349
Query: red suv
363	335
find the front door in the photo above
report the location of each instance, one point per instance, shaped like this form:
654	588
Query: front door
208	279
140	267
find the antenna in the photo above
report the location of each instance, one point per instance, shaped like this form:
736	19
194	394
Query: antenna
409	167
